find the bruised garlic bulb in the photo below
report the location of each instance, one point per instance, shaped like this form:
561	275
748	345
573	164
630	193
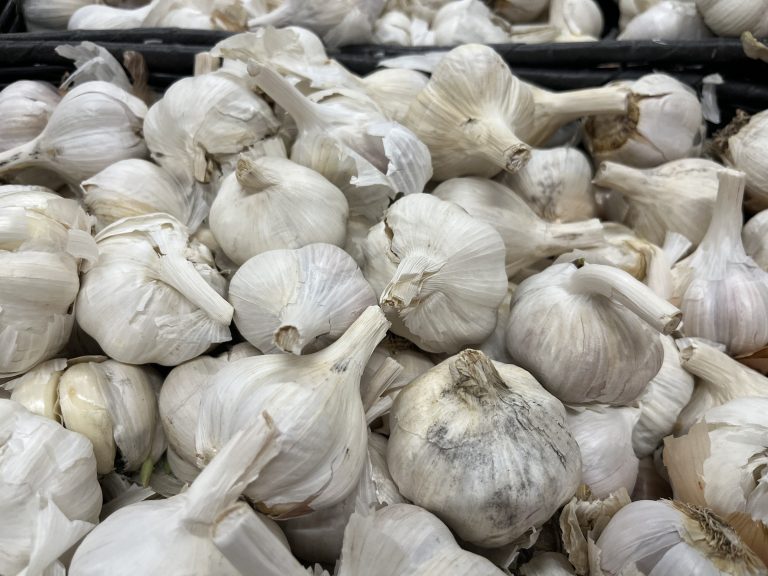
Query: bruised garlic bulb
722	292
25	107
161	292
480	132
46	241
51	497
556	184
599	323
755	235
96	124
741	146
136	187
273	203
439	273
47	15
678	196
298	301
673	20
727	18
315	402
461	427
394	89
664	122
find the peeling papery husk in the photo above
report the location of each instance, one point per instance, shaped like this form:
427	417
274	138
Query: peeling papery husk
25	107
740	144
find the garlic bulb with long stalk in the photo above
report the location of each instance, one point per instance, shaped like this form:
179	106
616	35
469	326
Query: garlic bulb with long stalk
556	184
25	107
599	323
45	242
527	238
722	292
273	203
578	20
298	301
720	464
668	20
726	18
173	536
136	187
464	427
316	404
47	15
394	89
754	236
664	122
740	145
473	132
51	497
161	292
96	124
439	273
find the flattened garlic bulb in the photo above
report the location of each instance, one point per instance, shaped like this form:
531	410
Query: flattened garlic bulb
25	107
439	273
464	427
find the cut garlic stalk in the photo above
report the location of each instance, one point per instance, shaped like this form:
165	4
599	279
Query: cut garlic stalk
25	107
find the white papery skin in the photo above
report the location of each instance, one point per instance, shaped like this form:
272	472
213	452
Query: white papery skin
96	124
466	21
44	241
755	238
46	15
273	203
547	564
439	273
298	301
400	29
743	151
521	10
51	496
667	20
578	20
727	18
161	292
664	123
488	431
315	402
667	538
25	107
98	17
394	90
495	346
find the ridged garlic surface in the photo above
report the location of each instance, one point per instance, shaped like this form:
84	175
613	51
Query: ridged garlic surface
439	273
589	334
755	238
25	107
527	237
470	426
727	18
47	15
394	89
671	20
741	146
298	301
161	292
664	122
273	203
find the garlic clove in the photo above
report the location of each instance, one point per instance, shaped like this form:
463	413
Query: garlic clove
38	389
753	235
466	21
25	107
98	17
547	564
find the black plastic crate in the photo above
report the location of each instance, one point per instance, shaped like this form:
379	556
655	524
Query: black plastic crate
10	17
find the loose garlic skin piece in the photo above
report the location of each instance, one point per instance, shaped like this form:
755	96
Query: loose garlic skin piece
468	426
25	108
728	18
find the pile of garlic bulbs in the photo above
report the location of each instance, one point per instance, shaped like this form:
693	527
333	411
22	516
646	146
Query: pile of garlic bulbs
283	319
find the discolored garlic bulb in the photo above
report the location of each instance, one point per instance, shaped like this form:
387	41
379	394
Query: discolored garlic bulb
672	20
25	107
740	146
732	18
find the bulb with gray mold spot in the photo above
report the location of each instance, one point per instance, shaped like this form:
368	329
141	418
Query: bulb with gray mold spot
490	433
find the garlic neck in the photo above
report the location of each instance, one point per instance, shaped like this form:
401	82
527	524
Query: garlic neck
724	232
474	376
300	327
625	179
404	290
553	109
306	113
498	144
252	177
22	156
570	235
708	363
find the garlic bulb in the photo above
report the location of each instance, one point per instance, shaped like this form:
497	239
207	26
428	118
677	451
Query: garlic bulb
316	405
400	29
521	10
663	400
45	15
664	122
173	536
527	237
99	17
51	497
96	124
578	20
298	301
720	464
740	145
25	107
670	537
465	21
628	9
602	327
273	203
754	237
547	564
394	89
461	428
604	436
45	242
722	292
668	20
732	18
556	184
162	293
403	539
678	196
473	132
136	187
439	273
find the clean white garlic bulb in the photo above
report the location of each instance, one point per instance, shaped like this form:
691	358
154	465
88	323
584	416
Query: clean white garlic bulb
51	496
100	17
727	18
722	292
754	236
47	15
527	238
672	20
599	323
96	124
273	203
556	184
740	145
577	20
394	89
161	292
465	21
678	196
440	294
45	242
25	107
298	301
664	122
461	427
